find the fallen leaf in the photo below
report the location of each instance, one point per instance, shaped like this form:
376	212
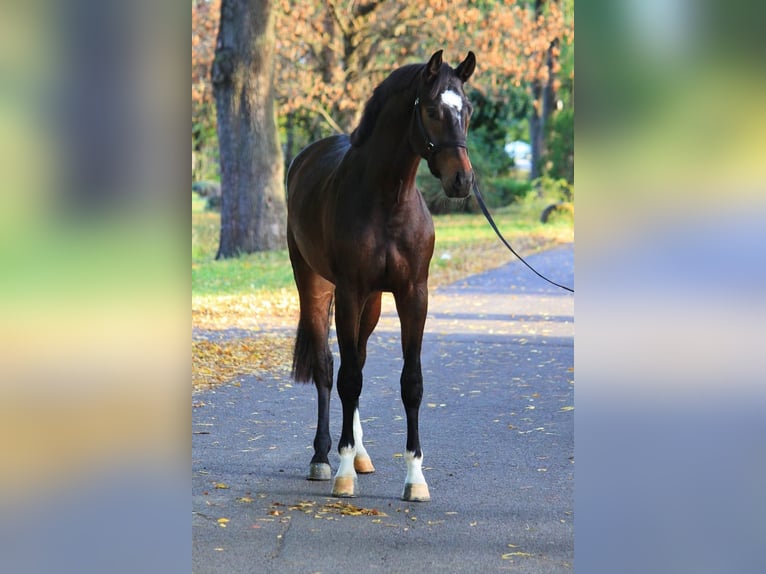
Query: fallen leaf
510	555
347	509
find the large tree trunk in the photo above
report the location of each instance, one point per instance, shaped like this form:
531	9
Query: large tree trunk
253	212
536	130
543	96
545	103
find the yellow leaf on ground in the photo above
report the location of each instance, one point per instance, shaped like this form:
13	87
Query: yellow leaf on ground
510	555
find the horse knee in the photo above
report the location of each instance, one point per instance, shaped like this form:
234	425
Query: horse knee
349	383
412	389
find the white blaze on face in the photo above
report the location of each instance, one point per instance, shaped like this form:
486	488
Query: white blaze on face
452	99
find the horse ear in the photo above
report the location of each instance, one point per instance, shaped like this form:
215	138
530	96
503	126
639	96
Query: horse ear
466	67
434	65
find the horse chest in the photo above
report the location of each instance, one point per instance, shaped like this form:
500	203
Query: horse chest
408	253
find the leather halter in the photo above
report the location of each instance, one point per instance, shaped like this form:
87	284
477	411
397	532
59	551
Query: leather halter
431	149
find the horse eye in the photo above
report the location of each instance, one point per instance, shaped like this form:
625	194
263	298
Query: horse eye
431	111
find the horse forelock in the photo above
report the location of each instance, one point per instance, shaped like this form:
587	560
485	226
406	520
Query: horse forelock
404	78
401	78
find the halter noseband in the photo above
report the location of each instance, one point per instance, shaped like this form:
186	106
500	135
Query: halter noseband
431	149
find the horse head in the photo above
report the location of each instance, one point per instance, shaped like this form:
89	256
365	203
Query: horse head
441	116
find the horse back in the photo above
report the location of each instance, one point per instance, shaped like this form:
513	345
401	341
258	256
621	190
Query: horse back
310	171
310	200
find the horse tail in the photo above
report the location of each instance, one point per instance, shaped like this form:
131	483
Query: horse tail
305	354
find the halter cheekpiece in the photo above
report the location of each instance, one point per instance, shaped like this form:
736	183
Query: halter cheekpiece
431	149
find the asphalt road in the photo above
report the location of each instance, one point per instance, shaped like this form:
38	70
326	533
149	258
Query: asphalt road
497	430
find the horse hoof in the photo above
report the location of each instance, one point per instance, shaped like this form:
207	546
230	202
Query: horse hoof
416	493
363	465
344	487
319	471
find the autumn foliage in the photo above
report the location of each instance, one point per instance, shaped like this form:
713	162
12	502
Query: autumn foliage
332	54
205	17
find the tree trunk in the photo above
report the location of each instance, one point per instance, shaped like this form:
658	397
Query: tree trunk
536	130
544	100
253	210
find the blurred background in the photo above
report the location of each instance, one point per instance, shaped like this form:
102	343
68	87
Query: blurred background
330	56
94	229
670	433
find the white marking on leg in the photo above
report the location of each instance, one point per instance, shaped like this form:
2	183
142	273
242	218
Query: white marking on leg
414	469
344	484
358	435
346	466
452	99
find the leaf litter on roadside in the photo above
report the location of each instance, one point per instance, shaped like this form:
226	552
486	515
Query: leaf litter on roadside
258	310
218	362
326	510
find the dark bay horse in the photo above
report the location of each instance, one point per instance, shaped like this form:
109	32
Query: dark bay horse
357	226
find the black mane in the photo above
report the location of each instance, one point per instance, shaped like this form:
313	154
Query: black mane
400	79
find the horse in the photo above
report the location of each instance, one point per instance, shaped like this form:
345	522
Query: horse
357	226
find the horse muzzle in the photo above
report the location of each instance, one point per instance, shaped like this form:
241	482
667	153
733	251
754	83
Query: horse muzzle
459	185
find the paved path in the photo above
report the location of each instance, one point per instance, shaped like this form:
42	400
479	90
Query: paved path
496	429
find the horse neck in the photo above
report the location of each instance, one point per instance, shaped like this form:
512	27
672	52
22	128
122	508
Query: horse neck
392	161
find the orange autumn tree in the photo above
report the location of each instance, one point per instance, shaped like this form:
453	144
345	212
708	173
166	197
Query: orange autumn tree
205	18
330	55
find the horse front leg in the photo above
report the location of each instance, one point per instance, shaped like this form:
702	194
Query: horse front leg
370	315
347	314
412	307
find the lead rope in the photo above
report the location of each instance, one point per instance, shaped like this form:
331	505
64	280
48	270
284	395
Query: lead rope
486	213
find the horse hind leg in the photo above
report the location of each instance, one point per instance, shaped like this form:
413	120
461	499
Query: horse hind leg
322	372
312	358
319	468
362	461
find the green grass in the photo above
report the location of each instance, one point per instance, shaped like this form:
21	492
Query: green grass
267	270
465	243
198	203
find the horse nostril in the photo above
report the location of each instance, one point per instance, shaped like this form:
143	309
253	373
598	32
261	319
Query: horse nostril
463	178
